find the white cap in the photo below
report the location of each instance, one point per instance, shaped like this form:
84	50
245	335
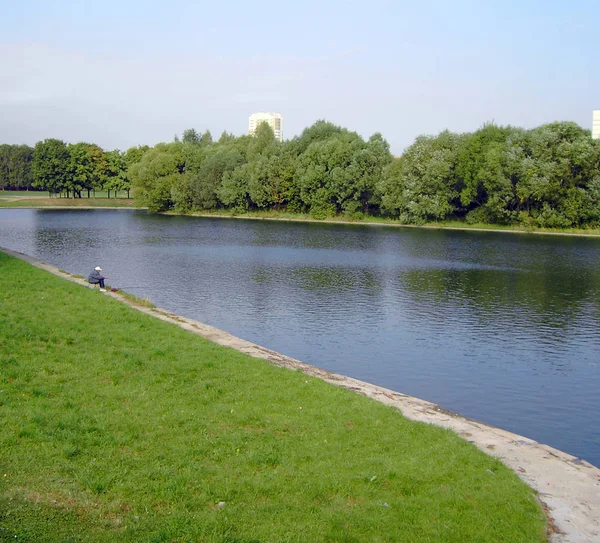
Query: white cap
98	268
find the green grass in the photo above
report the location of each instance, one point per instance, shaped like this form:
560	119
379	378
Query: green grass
115	426
64	202
46	194
13	198
23	193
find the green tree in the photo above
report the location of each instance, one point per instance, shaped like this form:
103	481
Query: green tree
206	139
262	141
320	131
82	172
116	172
555	166
155	175
206	183
51	164
271	181
5	165
341	173
422	185
133	155
234	191
473	163
225	137
15	167
190	136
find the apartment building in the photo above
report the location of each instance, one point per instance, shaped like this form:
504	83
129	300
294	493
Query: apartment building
596	125
274	120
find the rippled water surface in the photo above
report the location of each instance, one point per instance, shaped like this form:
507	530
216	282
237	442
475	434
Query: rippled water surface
498	327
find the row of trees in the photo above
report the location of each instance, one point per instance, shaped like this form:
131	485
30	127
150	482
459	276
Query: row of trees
326	171
68	169
548	176
74	168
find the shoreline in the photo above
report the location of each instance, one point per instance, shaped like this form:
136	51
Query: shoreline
392	225
316	221
567	487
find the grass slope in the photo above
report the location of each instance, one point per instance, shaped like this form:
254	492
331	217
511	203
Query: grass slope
115	426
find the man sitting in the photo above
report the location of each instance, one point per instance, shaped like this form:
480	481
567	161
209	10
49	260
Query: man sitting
96	279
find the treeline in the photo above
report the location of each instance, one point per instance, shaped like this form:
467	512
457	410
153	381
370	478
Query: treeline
326	171
69	169
548	176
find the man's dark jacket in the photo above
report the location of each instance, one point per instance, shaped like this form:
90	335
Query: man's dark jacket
95	277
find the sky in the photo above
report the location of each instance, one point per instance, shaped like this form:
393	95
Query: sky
126	73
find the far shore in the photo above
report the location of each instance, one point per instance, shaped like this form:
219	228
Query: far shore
34	202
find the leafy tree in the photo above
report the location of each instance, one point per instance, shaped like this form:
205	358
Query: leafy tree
262	141
206	139
190	136
5	165
51	164
270	184
365	174
340	174
15	166
205	185
422	185
133	155
153	177
234	189
116	172
557	163
320	131
86	168
473	163
225	137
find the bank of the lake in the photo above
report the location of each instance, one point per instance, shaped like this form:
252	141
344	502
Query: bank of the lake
26	201
118	425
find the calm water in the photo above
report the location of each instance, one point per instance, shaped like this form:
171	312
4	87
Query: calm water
501	328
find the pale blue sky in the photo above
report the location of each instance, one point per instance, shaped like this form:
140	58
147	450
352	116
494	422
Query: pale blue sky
128	73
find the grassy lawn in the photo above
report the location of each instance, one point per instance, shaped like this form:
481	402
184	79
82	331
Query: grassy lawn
14	198
115	426
23	194
64	202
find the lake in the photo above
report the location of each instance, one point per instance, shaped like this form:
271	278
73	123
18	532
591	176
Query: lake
502	328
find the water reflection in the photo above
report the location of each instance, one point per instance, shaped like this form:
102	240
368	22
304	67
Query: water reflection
502	328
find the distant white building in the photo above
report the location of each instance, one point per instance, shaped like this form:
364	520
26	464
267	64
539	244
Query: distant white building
596	125
274	120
